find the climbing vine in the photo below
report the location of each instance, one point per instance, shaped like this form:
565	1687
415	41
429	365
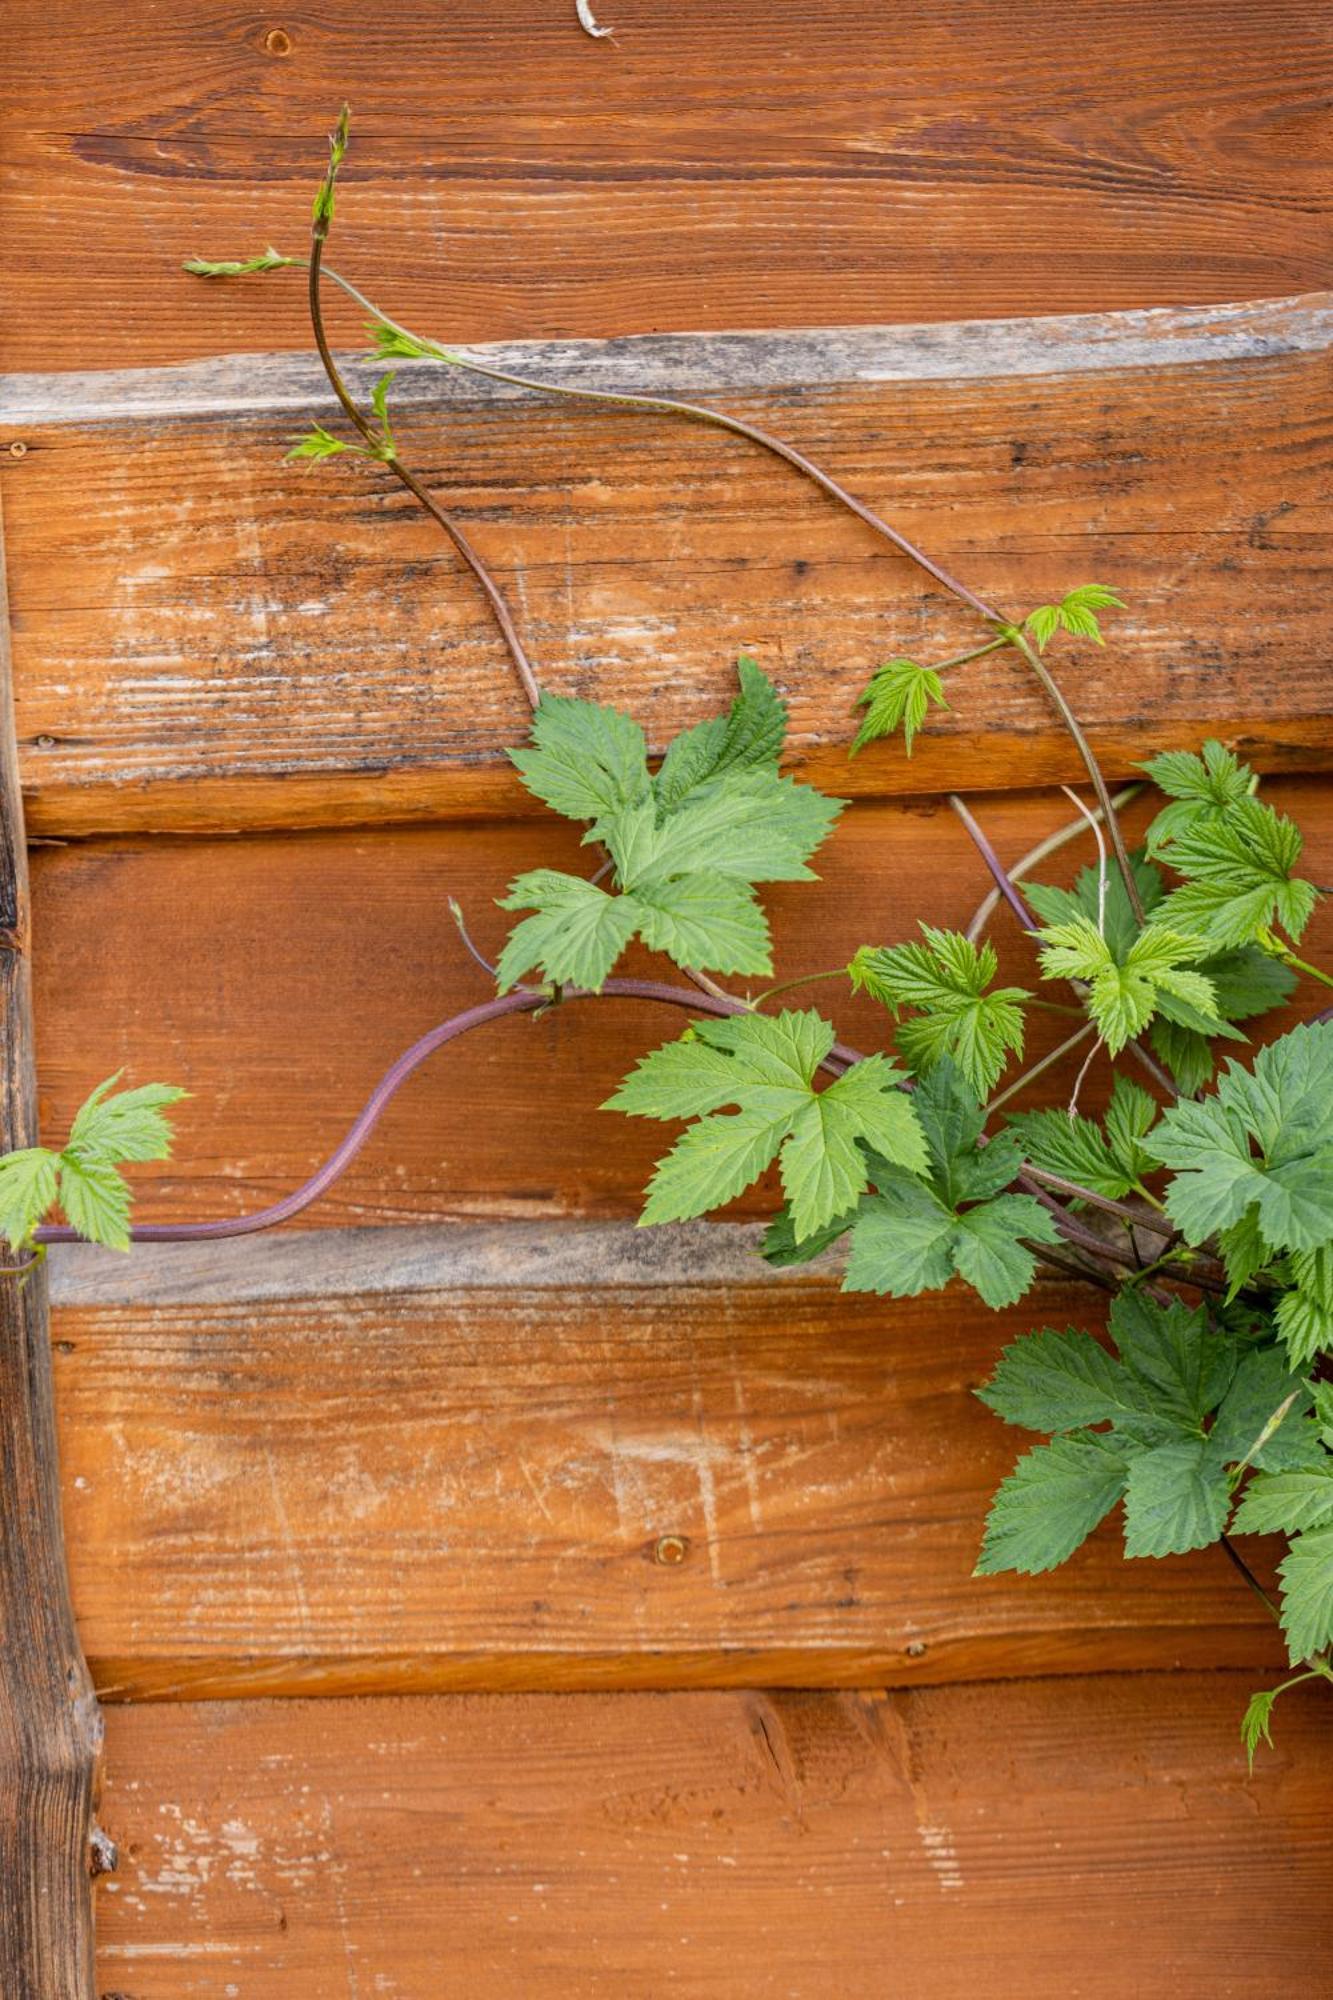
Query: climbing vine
1200	1201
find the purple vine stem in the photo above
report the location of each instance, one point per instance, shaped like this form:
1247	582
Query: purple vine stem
525	1001
999	874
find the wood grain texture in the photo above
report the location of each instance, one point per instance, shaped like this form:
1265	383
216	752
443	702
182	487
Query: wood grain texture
50	1730
206	636
717	163
1095	1841
556	1481
277	977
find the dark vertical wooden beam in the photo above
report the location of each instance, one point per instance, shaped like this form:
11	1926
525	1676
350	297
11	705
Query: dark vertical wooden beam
50	1728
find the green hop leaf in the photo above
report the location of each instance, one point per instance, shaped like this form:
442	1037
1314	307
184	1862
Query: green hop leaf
1075	614
1123	998
914	1233
946	978
765	1066
897	695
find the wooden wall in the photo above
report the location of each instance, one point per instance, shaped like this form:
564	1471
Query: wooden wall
487	1597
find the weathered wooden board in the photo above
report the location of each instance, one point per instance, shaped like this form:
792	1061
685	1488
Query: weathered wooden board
1094	1840
531	1459
208	636
716	163
277	977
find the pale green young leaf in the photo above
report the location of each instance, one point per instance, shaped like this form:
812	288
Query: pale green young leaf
27	1190
236	267
395	343
1101	896
576	934
713	1161
1123	998
124	1124
1307	1594
1238	877
96	1199
1075	614
823	1164
766	1065
946	977
750	825
1203	790
897	695
1051	1502
317	443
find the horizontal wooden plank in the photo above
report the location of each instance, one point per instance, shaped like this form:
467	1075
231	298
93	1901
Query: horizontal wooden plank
580	1467
1098	1840
277	977
212	637
721	162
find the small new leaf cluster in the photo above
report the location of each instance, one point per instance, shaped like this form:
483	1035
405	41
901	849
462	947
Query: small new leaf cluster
110	1129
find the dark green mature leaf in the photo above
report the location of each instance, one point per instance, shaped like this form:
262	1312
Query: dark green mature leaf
1051	1381
765	1065
1285	1502
1051	1502
1176	1498
897	695
1244	1431
1184	1363
913	1234
1307	1594
1109	1162
1262	1146
947	978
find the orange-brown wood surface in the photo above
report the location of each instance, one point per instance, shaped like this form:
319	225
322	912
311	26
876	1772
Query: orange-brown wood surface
949	1843
276	977
208	636
504	1475
716	163
466	1429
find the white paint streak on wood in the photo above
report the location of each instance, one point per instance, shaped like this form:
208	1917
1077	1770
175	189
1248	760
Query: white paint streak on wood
508	1256
697	364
